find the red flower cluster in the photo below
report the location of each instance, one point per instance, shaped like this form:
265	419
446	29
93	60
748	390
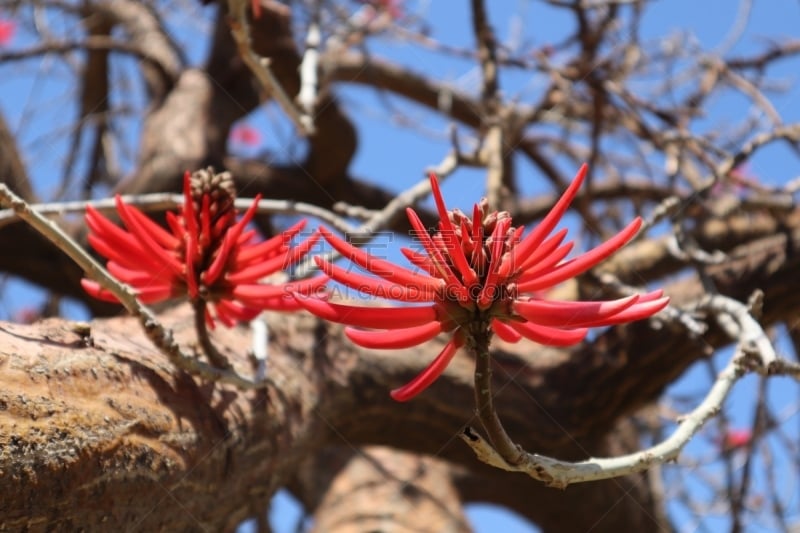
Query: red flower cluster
206	255
481	275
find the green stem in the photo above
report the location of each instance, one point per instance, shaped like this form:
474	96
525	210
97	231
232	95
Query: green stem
478	345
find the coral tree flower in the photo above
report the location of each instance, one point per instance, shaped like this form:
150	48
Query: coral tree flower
206	254
480	276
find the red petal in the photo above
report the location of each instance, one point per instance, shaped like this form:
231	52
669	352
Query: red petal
266	248
154	293
140	278
223	316
176	225
369	317
255	272
636	312
505	332
535	237
419	260
124	253
264	296
549	336
444	270
545	266
375	286
237	311
385	269
150	294
237	229
520	263
478	253
94	290
490	287
145	239
448	233
162	236
392	340
425	378
245	237
571	314
256	7
209	318
213	272
306	287
280	303
586	261
113	242
191	257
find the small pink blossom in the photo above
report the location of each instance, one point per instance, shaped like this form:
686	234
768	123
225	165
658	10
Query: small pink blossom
245	135
7	30
736	438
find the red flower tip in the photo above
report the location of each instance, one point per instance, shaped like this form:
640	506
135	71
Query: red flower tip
206	255
432	372
256	6
478	271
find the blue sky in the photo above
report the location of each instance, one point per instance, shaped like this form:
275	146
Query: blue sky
35	98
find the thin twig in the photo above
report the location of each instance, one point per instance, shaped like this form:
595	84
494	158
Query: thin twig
165	201
494	137
307	96
560	474
260	68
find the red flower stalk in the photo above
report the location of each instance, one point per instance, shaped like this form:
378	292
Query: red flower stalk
206	255
481	277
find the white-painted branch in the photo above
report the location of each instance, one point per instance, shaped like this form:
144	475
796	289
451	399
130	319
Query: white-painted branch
752	340
307	96
260	68
164	201
260	345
